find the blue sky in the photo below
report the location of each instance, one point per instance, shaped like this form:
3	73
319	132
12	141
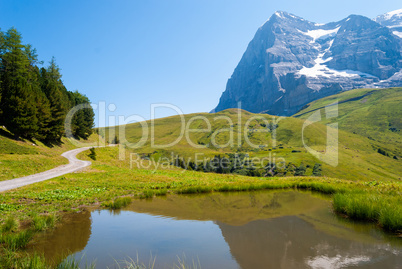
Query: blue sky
138	52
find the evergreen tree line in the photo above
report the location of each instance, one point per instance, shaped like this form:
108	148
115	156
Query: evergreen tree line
33	100
240	164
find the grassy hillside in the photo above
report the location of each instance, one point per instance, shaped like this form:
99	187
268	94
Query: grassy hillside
369	120
22	158
358	155
375	114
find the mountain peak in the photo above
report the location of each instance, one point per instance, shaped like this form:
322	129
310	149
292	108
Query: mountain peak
283	17
279	13
389	15
360	21
358	18
392	20
286	15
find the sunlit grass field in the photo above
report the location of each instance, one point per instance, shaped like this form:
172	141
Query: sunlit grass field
20	158
371	113
358	154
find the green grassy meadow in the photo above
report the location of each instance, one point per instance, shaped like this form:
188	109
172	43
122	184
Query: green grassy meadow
371	113
359	158
20	158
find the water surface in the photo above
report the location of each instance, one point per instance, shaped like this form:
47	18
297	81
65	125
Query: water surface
268	229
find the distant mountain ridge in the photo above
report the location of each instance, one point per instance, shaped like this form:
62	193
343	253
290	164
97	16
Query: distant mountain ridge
392	20
291	61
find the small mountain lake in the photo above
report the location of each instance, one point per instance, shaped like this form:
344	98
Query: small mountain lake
264	229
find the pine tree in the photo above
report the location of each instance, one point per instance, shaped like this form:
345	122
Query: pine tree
43	108
83	120
18	93
1	92
317	170
301	170
53	88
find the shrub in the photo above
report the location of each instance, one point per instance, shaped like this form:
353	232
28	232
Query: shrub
382	152
301	170
115	140
92	154
317	170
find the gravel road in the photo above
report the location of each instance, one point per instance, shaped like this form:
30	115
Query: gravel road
73	166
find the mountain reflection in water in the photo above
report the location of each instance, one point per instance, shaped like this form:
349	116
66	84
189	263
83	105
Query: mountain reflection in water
267	229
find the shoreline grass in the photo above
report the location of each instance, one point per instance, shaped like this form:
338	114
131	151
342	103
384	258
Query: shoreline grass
377	208
73	263
43	222
128	263
118	203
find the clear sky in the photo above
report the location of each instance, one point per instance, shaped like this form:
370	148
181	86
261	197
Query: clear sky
133	53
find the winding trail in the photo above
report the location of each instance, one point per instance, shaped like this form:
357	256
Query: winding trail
73	166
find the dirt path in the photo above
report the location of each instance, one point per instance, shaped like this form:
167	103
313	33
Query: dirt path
73	166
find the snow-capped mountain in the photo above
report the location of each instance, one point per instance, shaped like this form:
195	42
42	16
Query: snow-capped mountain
392	20
291	62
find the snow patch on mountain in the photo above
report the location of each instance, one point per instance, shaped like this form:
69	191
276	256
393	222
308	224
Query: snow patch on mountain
279	14
397	33
320	33
389	15
321	70
391	19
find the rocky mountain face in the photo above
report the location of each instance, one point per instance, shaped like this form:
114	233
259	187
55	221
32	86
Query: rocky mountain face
291	62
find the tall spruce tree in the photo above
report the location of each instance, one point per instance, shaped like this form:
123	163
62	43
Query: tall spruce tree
1	92
83	120
18	102
53	88
43	109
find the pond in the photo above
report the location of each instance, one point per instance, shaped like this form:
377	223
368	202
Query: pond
264	229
